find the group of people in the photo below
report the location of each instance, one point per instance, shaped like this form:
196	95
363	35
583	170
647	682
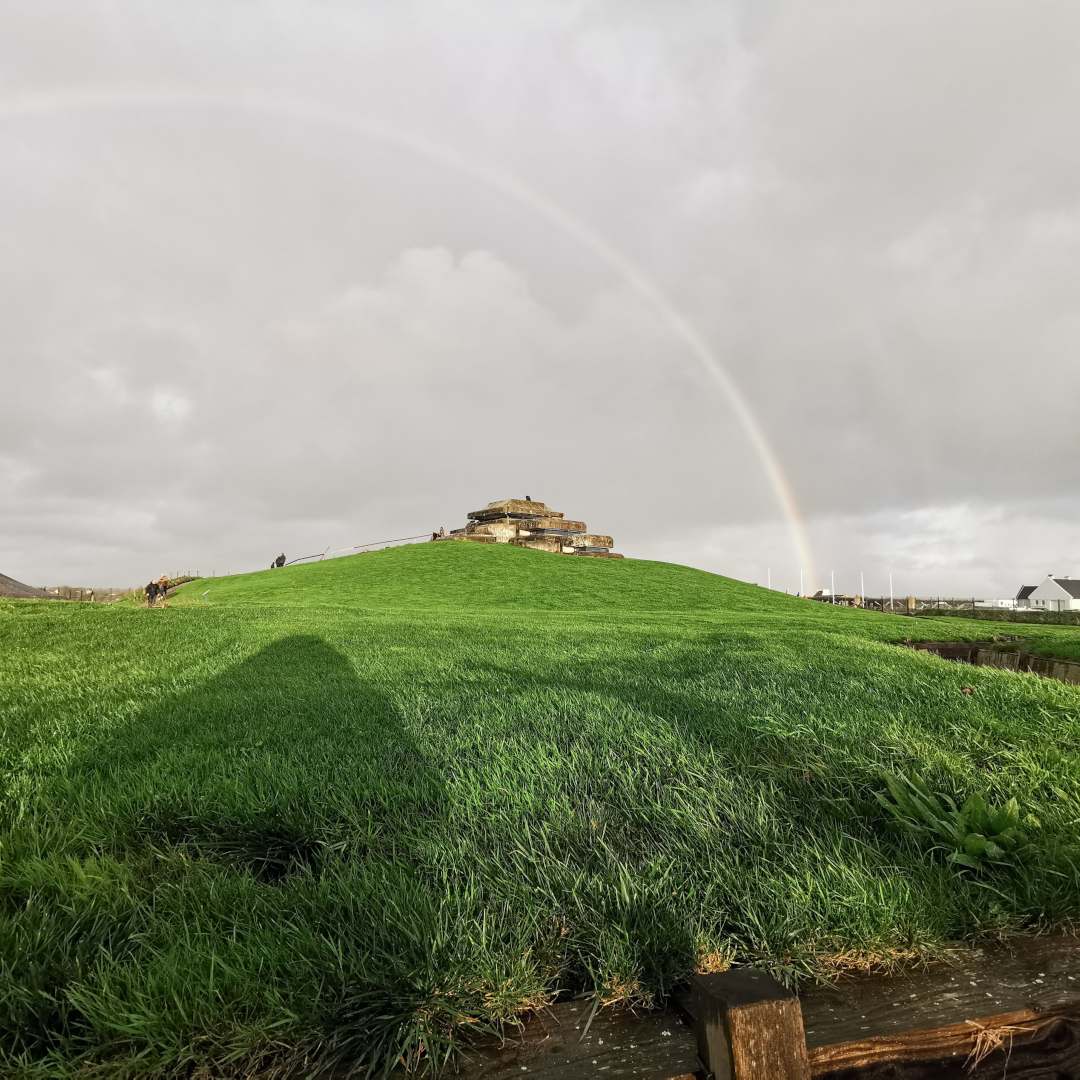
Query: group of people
155	589
278	562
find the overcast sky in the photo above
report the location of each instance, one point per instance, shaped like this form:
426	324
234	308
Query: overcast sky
285	276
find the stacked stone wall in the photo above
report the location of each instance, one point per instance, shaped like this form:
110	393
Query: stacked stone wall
529	524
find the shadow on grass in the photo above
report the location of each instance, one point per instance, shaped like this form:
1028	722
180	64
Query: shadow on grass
285	770
383	911
282	761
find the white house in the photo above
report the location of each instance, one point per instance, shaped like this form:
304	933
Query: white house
1022	600
1054	594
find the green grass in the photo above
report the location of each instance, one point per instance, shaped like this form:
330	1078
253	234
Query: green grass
485	578
357	811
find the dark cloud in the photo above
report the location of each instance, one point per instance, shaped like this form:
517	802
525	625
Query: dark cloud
231	327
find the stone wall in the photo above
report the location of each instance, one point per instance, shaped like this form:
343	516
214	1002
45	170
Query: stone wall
535	525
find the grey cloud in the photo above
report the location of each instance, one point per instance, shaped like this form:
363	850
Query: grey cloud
229	330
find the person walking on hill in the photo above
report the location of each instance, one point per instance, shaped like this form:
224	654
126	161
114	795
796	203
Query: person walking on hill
151	593
163	590
280	561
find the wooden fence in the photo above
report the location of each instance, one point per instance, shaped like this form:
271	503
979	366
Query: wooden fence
919	605
85	594
1008	1012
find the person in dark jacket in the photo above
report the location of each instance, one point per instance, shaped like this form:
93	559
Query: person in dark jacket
151	593
280	560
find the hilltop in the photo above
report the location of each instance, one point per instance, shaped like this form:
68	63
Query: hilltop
357	811
465	577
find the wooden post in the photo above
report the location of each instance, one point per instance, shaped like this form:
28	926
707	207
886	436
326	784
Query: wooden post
749	1027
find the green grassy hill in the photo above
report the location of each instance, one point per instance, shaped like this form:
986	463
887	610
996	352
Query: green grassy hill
358	810
482	577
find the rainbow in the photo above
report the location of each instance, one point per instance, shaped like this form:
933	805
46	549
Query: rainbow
130	97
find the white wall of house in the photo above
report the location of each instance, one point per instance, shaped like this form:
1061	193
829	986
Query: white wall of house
1050	596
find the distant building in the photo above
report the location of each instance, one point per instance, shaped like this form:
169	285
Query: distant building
531	524
826	597
1053	594
1022	598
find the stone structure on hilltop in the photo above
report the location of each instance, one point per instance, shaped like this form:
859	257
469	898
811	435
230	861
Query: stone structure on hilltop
529	524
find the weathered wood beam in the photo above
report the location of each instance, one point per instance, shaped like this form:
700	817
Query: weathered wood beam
749	1027
1023	1043
926	1022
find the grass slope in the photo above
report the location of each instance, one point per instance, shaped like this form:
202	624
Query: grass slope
340	813
480	577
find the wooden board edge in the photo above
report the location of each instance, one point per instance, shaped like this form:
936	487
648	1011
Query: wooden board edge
935	1044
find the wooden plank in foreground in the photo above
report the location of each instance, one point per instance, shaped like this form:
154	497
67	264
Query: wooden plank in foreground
1004	1011
1008	1012
618	1045
749	1027
1022	1045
